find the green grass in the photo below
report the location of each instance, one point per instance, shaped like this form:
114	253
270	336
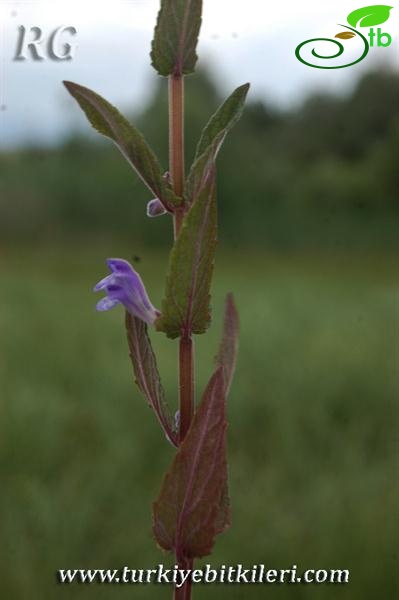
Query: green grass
312	438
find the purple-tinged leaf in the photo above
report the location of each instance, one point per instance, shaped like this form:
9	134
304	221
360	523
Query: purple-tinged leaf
186	307
226	359
194	504
176	36
147	375
223	518
107	120
186	516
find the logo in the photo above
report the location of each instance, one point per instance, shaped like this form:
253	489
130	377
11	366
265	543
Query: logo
55	48
367	17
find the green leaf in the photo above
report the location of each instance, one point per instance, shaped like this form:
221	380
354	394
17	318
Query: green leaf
185	308
176	37
369	15
186	515
224	118
202	169
228	350
147	375
107	120
212	139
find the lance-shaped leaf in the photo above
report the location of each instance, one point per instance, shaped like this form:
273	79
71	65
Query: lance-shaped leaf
223	517
212	139
226	359
186	514
369	15
176	37
186	307
194	504
224	118
228	350
147	375
202	169
107	120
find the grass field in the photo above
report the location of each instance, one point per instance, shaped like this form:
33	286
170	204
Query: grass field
313	436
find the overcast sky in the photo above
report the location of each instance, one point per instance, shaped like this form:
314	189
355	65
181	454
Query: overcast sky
251	40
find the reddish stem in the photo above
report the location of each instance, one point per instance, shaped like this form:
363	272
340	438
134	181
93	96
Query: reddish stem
176	158
186	347
186	387
184	592
176	142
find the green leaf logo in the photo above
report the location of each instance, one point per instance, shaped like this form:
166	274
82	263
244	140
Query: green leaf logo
369	15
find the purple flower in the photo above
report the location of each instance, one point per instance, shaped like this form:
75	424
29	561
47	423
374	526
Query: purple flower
155	208
124	286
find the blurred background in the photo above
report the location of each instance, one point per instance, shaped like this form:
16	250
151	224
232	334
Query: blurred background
309	212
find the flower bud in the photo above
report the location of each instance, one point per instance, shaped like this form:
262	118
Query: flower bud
155	208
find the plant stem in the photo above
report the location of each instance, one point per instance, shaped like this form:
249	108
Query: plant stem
186	346
184	592
186	368
176	142
176	159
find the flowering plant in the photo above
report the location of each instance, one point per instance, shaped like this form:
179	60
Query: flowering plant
193	505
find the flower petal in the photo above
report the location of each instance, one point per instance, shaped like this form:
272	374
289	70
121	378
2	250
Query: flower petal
106	303
125	286
101	285
119	265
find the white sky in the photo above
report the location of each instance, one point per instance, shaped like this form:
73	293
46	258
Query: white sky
241	40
